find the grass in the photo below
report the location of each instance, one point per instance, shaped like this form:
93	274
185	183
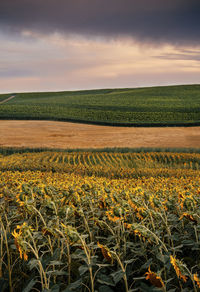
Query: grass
155	106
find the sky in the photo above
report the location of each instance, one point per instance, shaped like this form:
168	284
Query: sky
55	45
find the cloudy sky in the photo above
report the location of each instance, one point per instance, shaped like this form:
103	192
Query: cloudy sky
79	44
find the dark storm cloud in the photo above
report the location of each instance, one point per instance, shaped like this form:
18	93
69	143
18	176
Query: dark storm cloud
174	21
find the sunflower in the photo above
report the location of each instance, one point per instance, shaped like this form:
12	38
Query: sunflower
196	278
178	266
105	252
189	217
19	244
154	279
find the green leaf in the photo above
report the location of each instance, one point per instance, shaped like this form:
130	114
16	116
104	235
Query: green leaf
169	280
13	246
55	288
178	247
145	288
129	261
82	270
33	264
187	242
67	290
104	279
147	264
163	258
57	273
56	263
74	285
105	288
30	285
138	278
117	276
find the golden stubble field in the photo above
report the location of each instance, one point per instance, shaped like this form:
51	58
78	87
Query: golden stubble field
71	135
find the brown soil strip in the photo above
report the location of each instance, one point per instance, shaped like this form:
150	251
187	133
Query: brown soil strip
7	99
70	135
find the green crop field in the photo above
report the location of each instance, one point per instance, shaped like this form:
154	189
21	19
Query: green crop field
155	106
4	96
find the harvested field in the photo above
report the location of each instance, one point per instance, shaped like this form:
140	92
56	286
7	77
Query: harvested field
36	134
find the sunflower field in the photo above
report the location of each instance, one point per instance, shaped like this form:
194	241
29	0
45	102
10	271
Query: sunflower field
101	222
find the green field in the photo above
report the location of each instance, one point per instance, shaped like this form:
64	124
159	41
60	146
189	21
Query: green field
4	96
155	106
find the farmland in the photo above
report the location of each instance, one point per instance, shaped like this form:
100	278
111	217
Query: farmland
104	164
99	221
156	106
3	97
65	135
106	220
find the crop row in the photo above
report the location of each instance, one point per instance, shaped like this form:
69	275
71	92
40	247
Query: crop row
103	163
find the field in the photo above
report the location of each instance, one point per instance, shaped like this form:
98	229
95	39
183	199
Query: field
99	221
104	220
3	97
104	164
65	135
156	106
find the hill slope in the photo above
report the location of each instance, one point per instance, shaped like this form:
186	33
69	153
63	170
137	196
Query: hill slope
154	106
